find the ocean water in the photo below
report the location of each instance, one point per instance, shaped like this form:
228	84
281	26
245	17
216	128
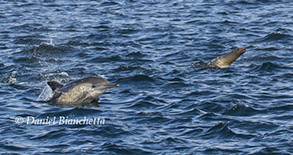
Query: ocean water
163	104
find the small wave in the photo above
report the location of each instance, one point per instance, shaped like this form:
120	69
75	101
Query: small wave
282	108
153	120
149	38
126	31
113	130
55	146
97	45
143	105
173	141
31	27
261	58
2	65
28	60
31	40
135	54
211	107
210	116
128	67
191	131
106	59
267	67
191	112
51	134
138	78
150	113
112	148
104	4
222	130
240	110
49	48
102	27
269	150
284	117
7	145
178	84
275	37
177	79
271	49
219	130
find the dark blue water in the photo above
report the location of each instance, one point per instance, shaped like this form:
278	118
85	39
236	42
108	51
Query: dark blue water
163	105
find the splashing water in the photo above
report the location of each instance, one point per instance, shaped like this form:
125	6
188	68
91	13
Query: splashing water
46	94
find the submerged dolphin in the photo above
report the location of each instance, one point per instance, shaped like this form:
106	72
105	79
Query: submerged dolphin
225	60
79	92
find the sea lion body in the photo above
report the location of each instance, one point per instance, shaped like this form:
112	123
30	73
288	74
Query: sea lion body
224	61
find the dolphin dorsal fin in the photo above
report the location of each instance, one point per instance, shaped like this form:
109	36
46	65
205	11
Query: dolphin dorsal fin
54	85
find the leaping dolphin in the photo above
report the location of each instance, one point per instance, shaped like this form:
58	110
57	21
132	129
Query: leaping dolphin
79	92
224	60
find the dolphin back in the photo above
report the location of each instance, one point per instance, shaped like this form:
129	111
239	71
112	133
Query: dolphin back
79	92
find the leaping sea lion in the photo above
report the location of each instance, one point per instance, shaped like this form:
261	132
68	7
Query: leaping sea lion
224	60
79	92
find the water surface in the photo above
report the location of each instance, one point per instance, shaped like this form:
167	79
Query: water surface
163	105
